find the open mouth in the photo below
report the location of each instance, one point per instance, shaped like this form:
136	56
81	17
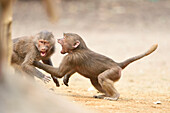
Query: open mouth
62	50
43	53
61	43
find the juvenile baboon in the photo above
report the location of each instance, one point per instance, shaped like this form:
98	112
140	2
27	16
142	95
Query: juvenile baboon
28	49
101	70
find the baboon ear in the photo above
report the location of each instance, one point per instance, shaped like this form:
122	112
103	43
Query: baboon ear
76	44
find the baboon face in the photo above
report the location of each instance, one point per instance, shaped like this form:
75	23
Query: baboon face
44	42
69	43
43	47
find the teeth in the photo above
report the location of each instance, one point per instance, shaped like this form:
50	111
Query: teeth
43	54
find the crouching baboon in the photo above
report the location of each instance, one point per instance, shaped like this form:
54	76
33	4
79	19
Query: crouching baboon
101	70
28	49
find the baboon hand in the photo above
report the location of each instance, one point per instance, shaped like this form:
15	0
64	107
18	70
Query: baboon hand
46	79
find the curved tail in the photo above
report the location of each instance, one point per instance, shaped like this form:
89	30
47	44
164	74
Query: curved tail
130	60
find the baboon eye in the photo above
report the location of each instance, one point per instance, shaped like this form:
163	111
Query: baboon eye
47	43
41	41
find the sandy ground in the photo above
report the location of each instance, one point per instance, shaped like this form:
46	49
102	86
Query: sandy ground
131	30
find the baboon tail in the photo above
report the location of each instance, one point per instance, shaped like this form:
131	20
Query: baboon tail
130	60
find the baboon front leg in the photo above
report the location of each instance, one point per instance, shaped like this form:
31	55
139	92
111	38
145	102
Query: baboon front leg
28	67
49	62
32	71
67	76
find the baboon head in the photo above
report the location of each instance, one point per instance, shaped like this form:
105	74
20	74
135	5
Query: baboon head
71	42
44	41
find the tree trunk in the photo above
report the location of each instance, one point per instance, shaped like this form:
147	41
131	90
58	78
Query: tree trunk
5	34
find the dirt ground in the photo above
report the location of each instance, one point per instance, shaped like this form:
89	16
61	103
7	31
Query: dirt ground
118	30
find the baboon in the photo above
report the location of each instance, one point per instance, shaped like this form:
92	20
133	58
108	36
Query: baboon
28	49
101	70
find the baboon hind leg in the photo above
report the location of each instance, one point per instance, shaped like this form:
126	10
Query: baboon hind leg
96	84
106	80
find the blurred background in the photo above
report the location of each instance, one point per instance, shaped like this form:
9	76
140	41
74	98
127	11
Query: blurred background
118	29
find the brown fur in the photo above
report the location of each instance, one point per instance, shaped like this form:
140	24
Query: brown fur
101	70
28	49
